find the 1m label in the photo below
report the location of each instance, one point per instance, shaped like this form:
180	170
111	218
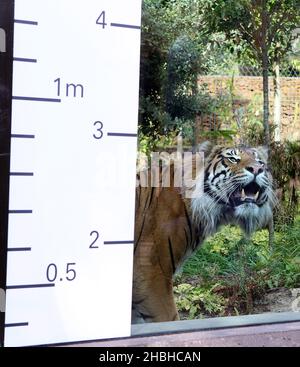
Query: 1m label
69	89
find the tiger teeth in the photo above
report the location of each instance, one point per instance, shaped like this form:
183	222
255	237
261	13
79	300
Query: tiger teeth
243	194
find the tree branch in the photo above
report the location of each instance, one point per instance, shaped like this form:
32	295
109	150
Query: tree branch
286	15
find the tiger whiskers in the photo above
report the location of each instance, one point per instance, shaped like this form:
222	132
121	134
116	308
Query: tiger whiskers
207	209
224	194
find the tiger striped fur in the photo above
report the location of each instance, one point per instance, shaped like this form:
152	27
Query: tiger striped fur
235	187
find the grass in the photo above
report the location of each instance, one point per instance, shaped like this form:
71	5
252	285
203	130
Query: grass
229	272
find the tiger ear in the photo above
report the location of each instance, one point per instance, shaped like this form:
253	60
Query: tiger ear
209	149
263	151
205	147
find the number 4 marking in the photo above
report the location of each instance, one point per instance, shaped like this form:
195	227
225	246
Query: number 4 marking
101	20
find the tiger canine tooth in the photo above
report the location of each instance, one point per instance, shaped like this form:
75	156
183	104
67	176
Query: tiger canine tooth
243	194
256	195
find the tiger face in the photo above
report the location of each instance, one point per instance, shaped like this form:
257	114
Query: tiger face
237	189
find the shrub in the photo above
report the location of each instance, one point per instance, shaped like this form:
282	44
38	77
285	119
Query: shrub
239	270
194	300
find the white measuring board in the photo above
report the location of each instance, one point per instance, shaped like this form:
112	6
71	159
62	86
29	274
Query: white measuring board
72	180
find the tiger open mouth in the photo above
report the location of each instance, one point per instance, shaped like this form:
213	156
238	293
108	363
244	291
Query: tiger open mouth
246	194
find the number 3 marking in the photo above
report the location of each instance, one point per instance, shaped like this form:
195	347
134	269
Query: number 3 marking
99	129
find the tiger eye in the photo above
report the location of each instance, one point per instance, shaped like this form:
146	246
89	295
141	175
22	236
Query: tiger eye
233	160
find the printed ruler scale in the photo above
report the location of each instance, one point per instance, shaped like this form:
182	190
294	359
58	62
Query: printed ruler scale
72	170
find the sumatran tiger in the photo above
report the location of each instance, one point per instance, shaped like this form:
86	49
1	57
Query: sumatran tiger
234	186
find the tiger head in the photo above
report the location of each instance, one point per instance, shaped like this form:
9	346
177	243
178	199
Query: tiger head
237	189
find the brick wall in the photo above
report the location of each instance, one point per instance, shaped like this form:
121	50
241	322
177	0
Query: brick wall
247	87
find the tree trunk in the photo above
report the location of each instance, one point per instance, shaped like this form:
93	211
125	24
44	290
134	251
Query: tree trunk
195	124
266	100
265	67
267	127
277	104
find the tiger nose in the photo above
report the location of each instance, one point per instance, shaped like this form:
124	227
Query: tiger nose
256	169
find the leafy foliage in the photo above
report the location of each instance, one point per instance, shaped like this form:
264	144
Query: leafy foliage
183	70
237	271
287	179
242	21
263	31
195	300
174	50
163	22
250	129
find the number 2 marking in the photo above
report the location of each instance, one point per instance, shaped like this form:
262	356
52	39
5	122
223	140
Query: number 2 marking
92	245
